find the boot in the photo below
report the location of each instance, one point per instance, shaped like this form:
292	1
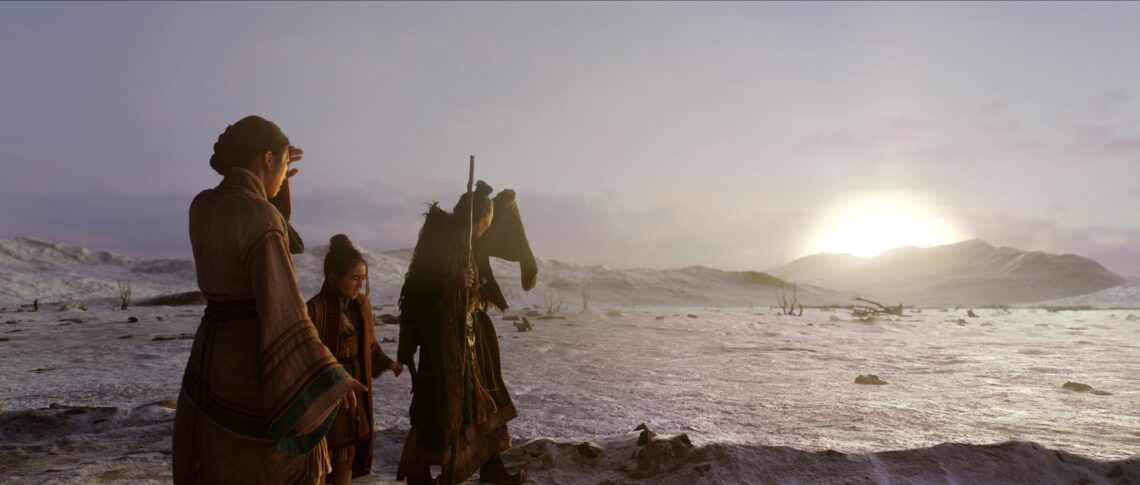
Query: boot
495	471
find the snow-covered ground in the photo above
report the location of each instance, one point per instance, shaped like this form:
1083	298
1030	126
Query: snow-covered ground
760	398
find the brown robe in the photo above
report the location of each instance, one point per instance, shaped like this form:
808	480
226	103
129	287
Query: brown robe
260	390
460	405
327	310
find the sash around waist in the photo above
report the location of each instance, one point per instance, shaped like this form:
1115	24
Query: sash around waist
226	310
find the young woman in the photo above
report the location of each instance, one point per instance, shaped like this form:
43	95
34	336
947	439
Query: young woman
343	318
260	390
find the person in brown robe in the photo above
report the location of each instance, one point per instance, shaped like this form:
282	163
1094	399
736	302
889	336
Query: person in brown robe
460	405
344	321
260	390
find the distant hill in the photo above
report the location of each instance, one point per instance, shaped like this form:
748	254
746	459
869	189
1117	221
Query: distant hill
53	272
32	268
966	273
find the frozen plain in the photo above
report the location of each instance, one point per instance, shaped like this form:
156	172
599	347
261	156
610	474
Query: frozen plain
760	397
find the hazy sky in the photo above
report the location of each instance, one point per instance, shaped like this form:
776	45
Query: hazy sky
736	135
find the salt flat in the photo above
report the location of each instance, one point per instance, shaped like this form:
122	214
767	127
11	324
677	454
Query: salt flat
739	383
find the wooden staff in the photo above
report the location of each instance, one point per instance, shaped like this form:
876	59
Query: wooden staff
464	305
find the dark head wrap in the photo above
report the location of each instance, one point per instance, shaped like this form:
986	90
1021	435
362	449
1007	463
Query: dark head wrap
482	198
242	140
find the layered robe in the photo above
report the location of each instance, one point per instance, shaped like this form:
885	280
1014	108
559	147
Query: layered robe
260	390
364	360
460	406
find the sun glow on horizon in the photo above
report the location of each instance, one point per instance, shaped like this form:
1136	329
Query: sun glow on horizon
865	224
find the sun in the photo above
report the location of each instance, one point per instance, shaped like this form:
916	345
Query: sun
867	223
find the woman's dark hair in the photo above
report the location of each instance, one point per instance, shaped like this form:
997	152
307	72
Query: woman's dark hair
342	256
482	197
242	140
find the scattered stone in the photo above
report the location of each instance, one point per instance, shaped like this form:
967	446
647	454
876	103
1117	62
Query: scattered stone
1101	393
645	436
552	317
389	319
1131	318
1076	386
659	317
702	468
970	313
387	340
4	339
691	315
589	450
987	324
159	318
9	322
71	320
132	319
42	370
613	313
834	318
125	337
511	318
533	313
870	379
167	403
524	325
16	330
181	336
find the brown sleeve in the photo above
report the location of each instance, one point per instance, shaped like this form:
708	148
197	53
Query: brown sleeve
301	381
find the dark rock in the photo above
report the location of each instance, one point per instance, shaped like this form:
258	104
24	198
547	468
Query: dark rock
702	468
524	325
970	313
72	320
659	317
870	379
42	370
589	450
533	313
125	337
645	436
132	319
181	336
552	317
387	340
641	427
159	318
15	331
389	319
511	318
1101	393
175	299
1076	386
4	339
691	315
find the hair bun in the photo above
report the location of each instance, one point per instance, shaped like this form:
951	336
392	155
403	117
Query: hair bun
340	242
